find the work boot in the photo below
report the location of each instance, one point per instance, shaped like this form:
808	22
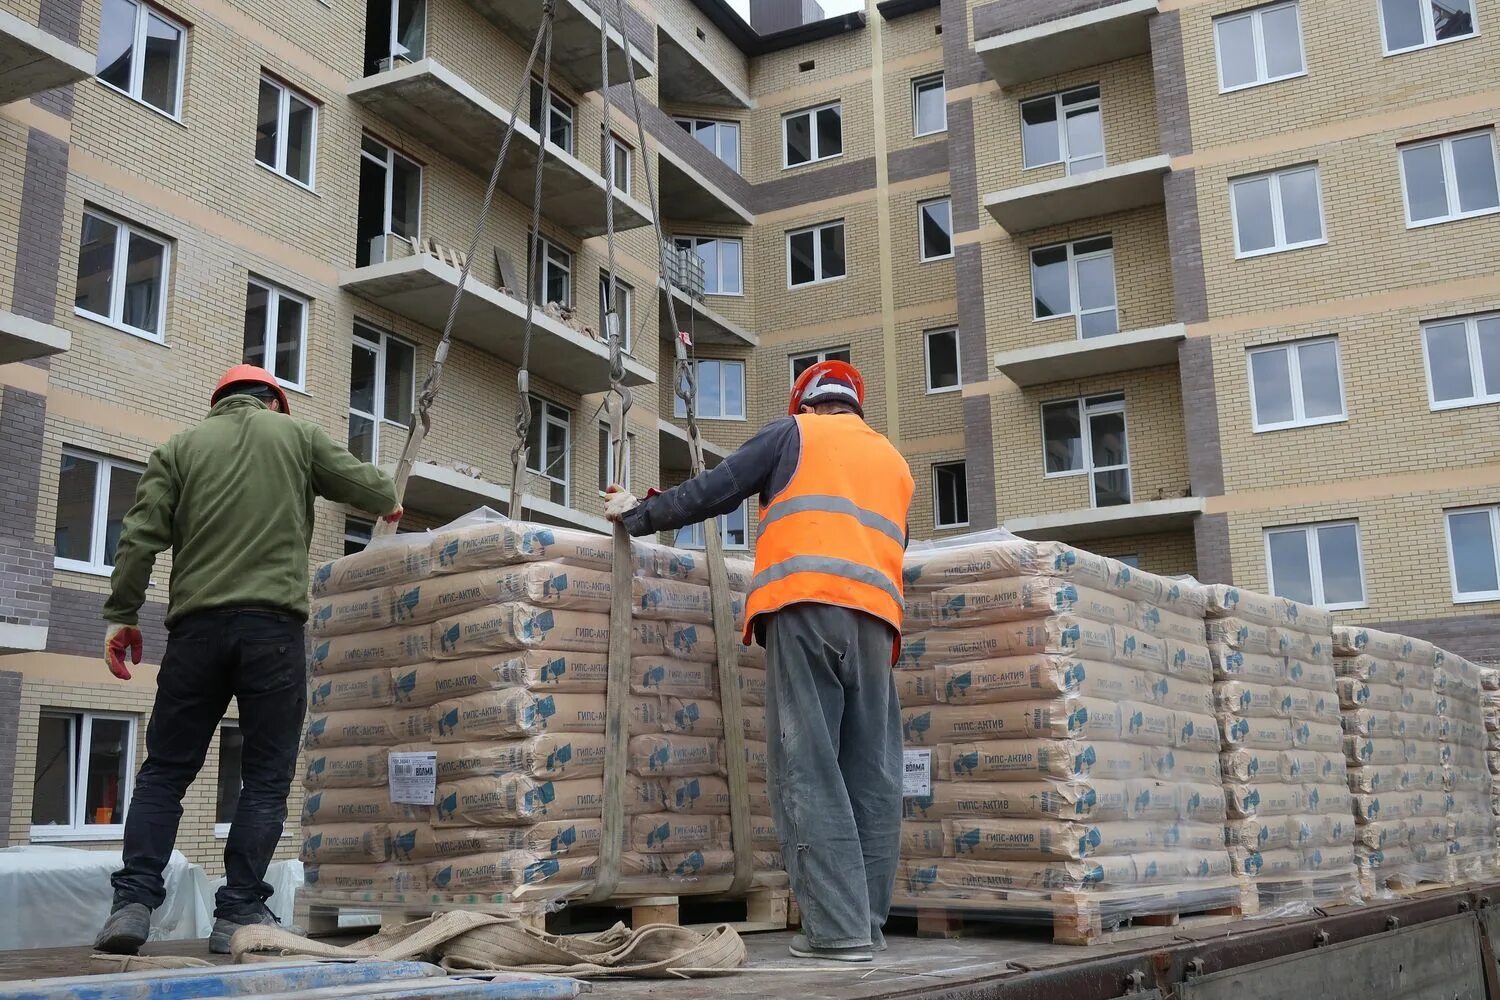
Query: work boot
125	931
802	949
224	928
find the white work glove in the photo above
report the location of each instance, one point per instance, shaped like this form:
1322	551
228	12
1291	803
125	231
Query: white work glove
618	502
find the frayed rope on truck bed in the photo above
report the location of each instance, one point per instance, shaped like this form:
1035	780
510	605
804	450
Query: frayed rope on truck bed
463	941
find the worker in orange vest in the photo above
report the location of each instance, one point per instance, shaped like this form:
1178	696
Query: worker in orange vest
826	603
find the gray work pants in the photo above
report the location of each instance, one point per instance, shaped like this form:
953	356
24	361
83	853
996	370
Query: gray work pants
833	728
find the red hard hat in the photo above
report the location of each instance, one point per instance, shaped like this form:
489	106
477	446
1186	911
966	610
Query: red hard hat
829	380
240	374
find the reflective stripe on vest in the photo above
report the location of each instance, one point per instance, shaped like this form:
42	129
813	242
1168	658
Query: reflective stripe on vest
835	505
833	567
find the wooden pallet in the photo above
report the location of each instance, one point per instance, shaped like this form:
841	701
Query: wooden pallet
1086	918
1324	890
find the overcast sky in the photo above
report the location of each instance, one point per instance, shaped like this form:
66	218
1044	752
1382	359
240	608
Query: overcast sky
829	6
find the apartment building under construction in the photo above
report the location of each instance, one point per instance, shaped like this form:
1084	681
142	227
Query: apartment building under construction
1208	285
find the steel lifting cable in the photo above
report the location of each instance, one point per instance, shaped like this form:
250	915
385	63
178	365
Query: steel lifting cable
428	395
718	576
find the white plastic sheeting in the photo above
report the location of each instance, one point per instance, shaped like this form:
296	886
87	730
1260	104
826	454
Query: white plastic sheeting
60	896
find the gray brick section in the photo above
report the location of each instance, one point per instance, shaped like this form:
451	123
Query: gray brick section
961	64
660	126
1200	416
1171	83
25	582
1185	244
62	18
980	458
23	418
43	191
78	628
1475	637
963	176
10	726
815	185
59	101
1211	536
917	161
1013	15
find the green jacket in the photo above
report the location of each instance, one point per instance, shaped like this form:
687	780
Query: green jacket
233	498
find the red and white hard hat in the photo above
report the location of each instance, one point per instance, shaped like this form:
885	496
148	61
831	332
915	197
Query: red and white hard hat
242	374
826	382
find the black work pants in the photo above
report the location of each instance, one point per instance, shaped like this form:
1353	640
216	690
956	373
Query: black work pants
258	657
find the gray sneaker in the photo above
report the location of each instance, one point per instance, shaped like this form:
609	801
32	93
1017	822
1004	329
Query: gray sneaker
802	949
224	928
125	931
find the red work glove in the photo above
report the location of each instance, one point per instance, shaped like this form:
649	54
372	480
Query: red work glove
395	516
117	640
652	492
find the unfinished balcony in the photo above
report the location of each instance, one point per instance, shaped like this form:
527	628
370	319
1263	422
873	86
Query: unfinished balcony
23	339
688	76
683	281
676	453
1105	191
1086	357
693	196
1151	517
433	104
446	493
420	287
1104	34
33	61
575	39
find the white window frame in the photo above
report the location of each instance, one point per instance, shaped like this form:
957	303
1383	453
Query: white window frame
123	232
1293	351
1429	32
1061	109
283	137
554	418
221	830
1480	397
614	145
357	529
1450	178
1477	596
937	523
1075	299
1278	219
922	231
624	309
143	14
388	162
557	104
607	458
1255	15
1315	562
275	293
690	536
693	242
1089	406
723	363
372	338
720	127
817	232
392	43
927	336
815	357
918	86
85	831
99	528
545	248
811	114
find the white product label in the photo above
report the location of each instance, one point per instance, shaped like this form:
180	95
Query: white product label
917	777
413	778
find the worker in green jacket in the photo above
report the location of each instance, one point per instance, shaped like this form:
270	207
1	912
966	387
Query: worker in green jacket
232	497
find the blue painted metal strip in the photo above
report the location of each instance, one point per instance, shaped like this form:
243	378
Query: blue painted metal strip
220	981
506	986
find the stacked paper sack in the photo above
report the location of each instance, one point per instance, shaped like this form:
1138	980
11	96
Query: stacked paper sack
1066	702
1490	679
1290	827
487	644
1393	738
1466	774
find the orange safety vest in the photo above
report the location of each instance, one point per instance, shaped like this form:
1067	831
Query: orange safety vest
837	533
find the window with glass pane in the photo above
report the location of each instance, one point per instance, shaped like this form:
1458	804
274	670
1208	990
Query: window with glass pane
929	105
141	54
607	474
1296	385
624	308
1277	211
231	758
942	360
1259	46
122	275
395	34
554	282
721	259
1317	564
1077	279
286	131
720	138
1063	128
390	200
548	446
732	531
618	161
275	331
85	767
1415	24
382	387
357	534
1463	361
1088	436
802	362
950	495
560	112
815	255
935	220
93	496
721	390
813	134
1474	553
1450	178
